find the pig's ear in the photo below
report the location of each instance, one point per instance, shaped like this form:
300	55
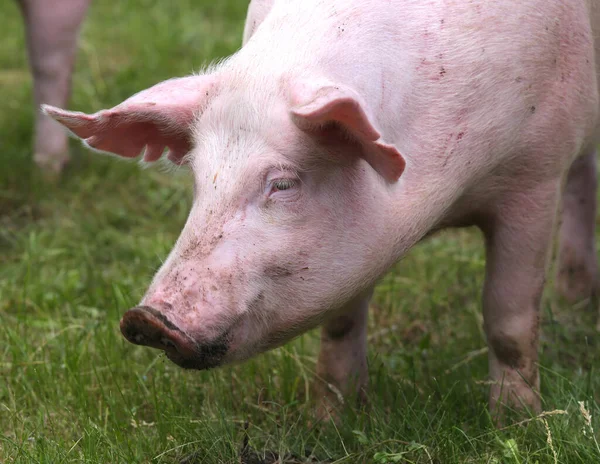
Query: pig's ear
342	106
157	118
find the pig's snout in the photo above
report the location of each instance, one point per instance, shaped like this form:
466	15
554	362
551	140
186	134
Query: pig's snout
147	326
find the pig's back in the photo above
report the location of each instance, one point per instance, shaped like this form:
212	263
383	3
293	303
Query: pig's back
451	82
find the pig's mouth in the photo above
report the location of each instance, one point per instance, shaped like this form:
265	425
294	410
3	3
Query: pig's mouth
146	326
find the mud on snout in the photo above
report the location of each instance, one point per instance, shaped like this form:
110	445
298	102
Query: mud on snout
144	325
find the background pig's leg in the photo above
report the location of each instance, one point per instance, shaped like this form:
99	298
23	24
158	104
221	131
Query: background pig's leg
342	364
518	238
52	29
577	265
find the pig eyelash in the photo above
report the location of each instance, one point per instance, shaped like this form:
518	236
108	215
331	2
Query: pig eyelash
283	184
284	188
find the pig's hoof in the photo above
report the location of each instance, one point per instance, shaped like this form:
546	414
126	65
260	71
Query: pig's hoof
328	401
327	411
510	403
51	165
577	277
331	402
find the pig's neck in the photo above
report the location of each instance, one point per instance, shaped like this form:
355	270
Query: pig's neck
410	210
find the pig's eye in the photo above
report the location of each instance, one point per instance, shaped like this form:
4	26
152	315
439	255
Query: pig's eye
284	188
283	184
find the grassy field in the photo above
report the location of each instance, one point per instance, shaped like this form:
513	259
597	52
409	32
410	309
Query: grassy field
74	256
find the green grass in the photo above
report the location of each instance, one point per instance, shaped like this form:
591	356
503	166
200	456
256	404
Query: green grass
74	256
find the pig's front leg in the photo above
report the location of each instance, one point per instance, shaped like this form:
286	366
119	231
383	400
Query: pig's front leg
518	237
577	265
52	29
342	364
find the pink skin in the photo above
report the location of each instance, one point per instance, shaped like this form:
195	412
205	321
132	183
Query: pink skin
318	167
52	28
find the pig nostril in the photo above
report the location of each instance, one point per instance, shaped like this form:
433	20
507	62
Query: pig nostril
144	325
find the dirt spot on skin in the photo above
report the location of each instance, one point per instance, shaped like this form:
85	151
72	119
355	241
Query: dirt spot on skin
507	351
278	271
573	271
383	97
338	328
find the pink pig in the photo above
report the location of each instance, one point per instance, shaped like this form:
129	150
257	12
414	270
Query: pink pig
342	134
52	27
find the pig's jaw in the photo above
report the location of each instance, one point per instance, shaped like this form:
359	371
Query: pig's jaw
209	356
251	336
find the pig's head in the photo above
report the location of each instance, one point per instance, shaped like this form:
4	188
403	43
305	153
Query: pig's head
286	225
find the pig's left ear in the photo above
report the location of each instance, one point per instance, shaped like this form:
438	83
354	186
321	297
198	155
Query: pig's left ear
342	106
156	118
